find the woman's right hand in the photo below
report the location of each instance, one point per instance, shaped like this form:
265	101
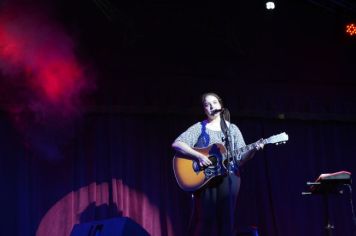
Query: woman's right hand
204	161
187	150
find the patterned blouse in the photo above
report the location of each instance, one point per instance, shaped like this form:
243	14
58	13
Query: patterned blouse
199	136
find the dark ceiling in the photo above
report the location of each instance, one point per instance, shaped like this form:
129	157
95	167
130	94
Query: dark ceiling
231	40
163	47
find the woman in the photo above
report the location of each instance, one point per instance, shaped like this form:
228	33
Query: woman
215	203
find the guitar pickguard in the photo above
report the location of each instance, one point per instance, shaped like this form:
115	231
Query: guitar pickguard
217	168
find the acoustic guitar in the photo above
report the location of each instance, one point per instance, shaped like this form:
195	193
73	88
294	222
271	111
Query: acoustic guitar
191	176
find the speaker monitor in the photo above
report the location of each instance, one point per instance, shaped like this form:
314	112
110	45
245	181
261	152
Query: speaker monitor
121	226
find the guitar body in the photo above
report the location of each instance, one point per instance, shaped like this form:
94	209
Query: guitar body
190	176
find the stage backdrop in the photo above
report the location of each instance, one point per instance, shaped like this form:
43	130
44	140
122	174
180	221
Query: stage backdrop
120	164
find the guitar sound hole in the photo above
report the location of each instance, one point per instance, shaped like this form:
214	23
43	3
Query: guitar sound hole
197	167
213	159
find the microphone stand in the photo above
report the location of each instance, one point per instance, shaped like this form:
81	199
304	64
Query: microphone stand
228	145
227	140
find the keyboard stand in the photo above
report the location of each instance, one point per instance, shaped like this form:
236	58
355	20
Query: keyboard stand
325	185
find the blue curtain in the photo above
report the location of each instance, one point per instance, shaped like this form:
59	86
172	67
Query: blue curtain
135	148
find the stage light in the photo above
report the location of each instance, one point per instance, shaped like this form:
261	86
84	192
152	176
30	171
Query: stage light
350	29
270	5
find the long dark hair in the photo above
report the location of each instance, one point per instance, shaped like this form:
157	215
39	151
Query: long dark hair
226	113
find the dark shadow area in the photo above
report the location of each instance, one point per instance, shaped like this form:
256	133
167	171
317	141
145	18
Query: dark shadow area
114	226
102	212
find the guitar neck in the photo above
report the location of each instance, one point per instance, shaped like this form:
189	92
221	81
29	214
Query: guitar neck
248	147
276	139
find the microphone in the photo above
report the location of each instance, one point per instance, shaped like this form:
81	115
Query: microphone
213	112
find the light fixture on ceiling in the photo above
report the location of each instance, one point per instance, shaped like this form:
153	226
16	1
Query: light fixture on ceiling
270	5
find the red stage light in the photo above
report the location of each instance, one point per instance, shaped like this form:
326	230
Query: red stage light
38	54
350	29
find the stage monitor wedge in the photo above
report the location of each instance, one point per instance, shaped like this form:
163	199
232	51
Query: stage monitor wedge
120	226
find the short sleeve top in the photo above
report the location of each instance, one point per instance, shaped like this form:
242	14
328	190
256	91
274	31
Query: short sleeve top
199	136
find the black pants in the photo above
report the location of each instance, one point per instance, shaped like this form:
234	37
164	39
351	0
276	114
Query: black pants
214	207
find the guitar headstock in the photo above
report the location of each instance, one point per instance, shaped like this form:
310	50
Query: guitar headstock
277	139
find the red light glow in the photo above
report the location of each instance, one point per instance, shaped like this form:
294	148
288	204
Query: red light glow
40	52
72	206
42	82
